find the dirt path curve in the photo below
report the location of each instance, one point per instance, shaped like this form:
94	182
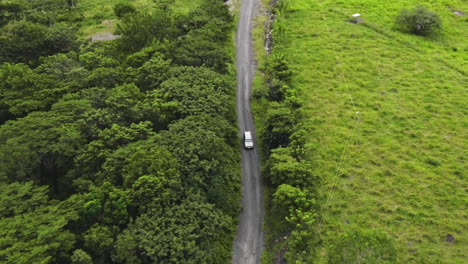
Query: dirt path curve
248	245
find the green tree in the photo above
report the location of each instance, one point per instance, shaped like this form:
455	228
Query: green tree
89	160
64	68
128	163
154	191
284	168
157	109
208	162
23	91
140	30
122	9
210	11
153	72
105	205
105	77
99	240
419	21
190	232
10	11
164	5
24	41
33	228
203	47
279	125
299	209
275	90
123	100
42	146
102	54
79	256
278	67
61	37
198	91
292	198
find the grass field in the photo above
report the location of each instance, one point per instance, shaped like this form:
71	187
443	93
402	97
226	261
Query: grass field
388	112
99	14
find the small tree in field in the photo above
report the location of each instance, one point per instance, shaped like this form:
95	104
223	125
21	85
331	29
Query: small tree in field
122	9
419	21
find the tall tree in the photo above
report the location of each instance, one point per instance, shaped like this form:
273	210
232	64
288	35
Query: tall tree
33	228
42	146
189	232
139	30
22	90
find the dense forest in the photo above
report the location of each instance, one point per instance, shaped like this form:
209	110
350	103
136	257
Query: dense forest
121	151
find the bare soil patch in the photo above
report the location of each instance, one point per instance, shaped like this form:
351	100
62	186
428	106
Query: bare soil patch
104	36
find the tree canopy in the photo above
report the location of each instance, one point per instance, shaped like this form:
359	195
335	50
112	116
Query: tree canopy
119	151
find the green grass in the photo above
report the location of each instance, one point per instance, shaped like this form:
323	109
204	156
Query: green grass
99	14
388	112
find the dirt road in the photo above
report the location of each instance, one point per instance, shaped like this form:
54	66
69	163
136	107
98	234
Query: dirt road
249	241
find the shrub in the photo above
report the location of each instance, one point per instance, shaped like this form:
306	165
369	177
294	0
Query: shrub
363	246
284	168
419	21
279	125
123	8
279	67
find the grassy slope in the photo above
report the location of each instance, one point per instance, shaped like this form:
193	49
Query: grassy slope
99	14
399	164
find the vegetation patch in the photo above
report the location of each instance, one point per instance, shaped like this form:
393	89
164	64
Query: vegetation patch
119	151
419	20
385	129
97	12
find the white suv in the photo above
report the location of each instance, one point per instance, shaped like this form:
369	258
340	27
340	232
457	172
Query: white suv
248	141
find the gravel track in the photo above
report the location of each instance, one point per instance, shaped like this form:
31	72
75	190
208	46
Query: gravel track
248	244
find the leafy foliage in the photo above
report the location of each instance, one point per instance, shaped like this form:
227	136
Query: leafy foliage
363	246
139	30
207	161
419	21
33	228
41	146
294	187
122	9
24	41
106	205
279	125
135	140
285	169
81	257
182	233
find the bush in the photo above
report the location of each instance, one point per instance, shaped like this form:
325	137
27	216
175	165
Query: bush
279	125
123	8
419	21
363	246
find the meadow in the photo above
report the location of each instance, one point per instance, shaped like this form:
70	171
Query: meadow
387	112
